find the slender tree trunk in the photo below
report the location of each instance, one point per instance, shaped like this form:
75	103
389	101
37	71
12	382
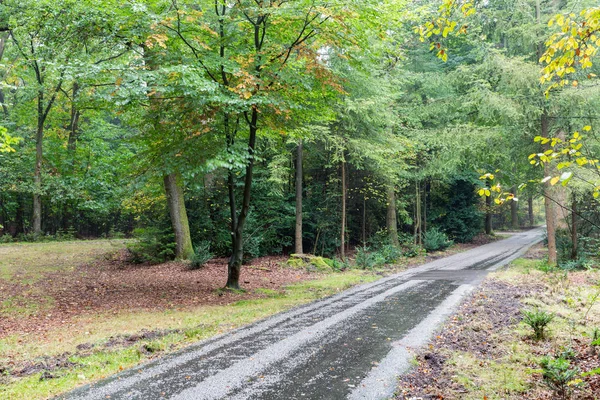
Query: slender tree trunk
234	267
74	123
392	219
37	177
488	213
530	210
418	232
574	241
514	216
298	243
548	204
343	227
3	38
425	196
179	220
364	221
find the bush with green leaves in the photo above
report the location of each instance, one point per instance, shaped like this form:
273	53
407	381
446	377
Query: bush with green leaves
538	320
152	245
6	238
201	255
558	374
367	259
434	240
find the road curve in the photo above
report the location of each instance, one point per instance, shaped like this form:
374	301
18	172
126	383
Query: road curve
349	346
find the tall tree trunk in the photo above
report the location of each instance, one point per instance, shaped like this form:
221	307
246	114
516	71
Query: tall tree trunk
179	220
574	241
426	190
343	227
3	38
530	210
548	204
392	219
417	223
73	127
37	177
488	213
364	221
298	236
514	216
234	266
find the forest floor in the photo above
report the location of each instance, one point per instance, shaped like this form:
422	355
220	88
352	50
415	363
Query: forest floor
79	311
485	351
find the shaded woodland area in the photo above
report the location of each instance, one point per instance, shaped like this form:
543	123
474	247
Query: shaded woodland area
250	128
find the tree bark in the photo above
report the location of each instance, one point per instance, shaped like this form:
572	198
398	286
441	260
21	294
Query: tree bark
37	176
418	232
179	220
298	236
3	38
514	216
74	123
392	218
234	266
343	227
530	210
574	222
548	204
488	213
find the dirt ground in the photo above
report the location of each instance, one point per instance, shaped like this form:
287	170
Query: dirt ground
110	284
483	343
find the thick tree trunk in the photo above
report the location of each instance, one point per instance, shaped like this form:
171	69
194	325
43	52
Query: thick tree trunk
343	227
234	267
392	218
179	220
37	177
530	210
298	233
514	216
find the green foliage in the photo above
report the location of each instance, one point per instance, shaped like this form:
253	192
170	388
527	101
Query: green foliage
538	320
201	255
152	245
455	211
367	259
558	374
314	263
434	240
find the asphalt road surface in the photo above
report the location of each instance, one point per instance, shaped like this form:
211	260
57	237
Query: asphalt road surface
349	346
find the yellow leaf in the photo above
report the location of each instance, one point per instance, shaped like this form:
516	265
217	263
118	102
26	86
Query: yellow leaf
554	180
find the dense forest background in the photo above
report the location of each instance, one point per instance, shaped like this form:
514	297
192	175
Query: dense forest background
245	128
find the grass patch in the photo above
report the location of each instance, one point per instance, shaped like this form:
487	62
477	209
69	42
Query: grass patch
26	263
191	325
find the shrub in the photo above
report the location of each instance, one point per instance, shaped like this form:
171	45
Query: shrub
6	238
412	250
153	245
390	253
558	374
434	240
537	320
201	255
367	259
